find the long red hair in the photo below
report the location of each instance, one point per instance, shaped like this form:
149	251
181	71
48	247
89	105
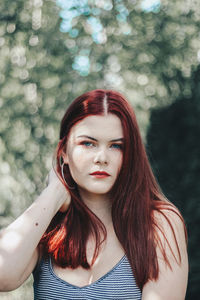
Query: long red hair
135	197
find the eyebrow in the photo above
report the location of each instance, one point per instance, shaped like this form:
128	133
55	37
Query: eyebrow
93	139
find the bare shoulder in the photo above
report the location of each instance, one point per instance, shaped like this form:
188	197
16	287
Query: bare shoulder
172	247
171	233
169	212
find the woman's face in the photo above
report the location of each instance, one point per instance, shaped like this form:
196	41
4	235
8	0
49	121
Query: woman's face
94	153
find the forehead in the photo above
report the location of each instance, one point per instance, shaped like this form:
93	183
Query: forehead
106	127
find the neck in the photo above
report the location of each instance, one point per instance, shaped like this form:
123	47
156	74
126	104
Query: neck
100	205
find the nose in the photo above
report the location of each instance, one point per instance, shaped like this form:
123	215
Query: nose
101	157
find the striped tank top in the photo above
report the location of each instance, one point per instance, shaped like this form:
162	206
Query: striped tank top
118	283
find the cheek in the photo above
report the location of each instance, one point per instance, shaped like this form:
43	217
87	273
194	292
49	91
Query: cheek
117	161
78	159
120	163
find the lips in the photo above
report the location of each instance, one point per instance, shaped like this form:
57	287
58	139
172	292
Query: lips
99	174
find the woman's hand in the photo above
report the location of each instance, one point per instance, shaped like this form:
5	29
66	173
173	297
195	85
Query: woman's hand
64	197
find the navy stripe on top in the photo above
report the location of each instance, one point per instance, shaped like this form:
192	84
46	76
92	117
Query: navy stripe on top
118	283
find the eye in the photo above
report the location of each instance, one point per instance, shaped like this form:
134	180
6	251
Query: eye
87	143
117	146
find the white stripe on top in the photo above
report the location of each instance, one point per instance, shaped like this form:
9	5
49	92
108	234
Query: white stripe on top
117	284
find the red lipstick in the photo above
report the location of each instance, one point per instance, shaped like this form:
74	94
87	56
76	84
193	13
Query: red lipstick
99	174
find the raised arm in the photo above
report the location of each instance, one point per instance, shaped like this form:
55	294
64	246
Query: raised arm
19	241
171	283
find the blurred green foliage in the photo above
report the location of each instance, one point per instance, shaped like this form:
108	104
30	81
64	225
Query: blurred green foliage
52	52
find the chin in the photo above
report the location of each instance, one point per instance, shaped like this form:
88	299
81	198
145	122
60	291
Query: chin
96	191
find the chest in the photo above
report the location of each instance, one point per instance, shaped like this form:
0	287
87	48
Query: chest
119	283
109	256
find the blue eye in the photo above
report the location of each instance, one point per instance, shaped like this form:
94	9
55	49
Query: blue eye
117	146
87	144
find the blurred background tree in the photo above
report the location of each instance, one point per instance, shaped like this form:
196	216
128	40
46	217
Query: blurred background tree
52	51
174	147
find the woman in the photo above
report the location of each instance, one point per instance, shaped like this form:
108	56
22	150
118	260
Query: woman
101	229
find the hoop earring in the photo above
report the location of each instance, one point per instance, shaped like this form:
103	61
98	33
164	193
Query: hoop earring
63	177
